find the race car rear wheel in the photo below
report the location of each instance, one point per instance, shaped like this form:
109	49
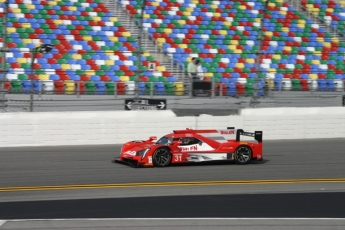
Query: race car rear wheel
243	154
161	157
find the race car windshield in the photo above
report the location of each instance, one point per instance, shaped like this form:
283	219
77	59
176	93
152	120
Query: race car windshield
162	141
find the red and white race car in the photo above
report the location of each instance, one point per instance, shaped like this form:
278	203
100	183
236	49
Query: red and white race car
183	146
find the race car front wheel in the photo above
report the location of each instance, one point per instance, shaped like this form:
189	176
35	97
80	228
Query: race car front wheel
161	157
243	154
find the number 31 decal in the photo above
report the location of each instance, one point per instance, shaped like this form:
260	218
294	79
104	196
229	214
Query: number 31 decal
178	157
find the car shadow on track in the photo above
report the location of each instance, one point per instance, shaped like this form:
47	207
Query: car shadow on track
212	163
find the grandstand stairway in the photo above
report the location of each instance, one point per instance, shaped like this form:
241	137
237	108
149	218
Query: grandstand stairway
149	45
298	5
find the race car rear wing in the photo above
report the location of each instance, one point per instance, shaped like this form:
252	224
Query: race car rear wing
257	135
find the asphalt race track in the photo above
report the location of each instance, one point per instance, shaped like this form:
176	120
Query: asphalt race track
297	179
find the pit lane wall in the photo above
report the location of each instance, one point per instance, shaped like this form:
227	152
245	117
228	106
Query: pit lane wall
117	127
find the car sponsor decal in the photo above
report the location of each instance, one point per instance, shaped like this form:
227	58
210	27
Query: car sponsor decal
196	157
150	160
195	147
130	153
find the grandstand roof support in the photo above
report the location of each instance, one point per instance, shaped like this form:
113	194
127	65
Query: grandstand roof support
260	37
3	72
139	51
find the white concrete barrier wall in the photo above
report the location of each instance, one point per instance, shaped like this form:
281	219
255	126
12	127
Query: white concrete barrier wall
117	127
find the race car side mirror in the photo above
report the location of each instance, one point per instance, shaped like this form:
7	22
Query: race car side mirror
152	138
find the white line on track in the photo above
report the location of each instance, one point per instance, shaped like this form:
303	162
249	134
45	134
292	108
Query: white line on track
98	219
2	222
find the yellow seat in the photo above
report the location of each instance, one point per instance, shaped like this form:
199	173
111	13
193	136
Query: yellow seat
124	78
313	76
276	56
87	38
27	41
301	26
21	60
97	19
11	30
287	48
315	62
114	39
72	8
146	54
179	88
242	7
182	22
213	6
167	31
268	33
237	51
189	9
330	10
232	47
239	65
90	72
30	6
76	56
208	74
250	60
285	29
43	77
109	62
216	14
113	19
155	3
161	68
52	3
327	44
16	11
227	23
65	66
58	21
272	70
146	16
269	83
69	87
187	13
234	42
183	46
223	32
126	34
161	40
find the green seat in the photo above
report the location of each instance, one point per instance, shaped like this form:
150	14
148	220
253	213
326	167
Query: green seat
249	87
110	87
16	86
90	87
23	77
169	88
296	85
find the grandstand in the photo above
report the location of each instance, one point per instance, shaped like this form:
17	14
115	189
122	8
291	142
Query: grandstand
243	44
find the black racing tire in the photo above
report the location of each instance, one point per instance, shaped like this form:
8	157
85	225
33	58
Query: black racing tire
243	154
161	157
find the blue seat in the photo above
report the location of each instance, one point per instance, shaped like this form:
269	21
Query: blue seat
330	85
100	87
95	78
231	88
114	78
54	77
141	88
26	86
321	84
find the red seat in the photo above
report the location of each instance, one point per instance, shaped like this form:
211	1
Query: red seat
59	87
121	88
80	87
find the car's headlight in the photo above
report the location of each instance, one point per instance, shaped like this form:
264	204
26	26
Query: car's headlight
142	153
